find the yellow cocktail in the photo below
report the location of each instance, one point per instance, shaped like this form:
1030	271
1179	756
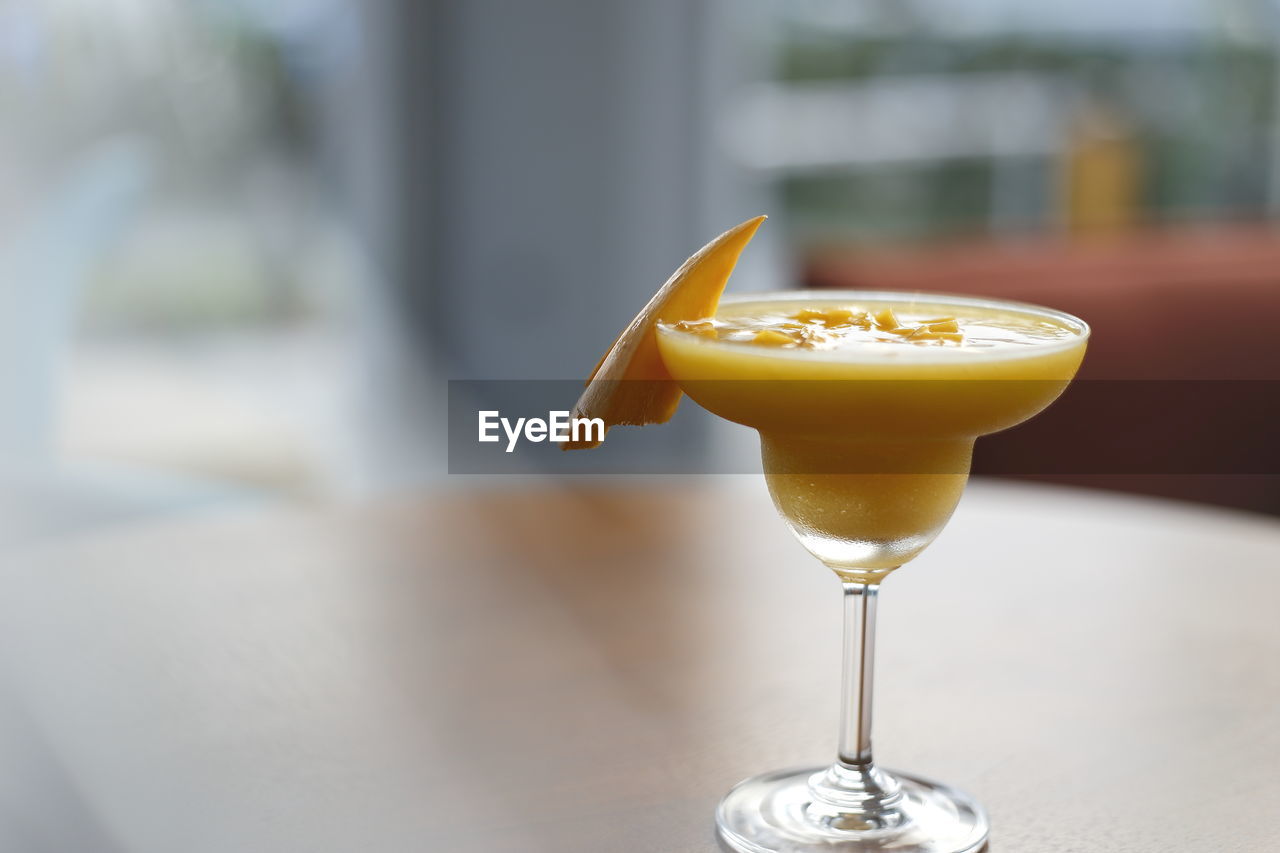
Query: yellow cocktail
868	404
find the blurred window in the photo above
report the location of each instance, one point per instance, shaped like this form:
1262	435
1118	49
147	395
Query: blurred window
918	119
179	282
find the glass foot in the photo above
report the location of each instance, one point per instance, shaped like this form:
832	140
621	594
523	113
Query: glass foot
778	813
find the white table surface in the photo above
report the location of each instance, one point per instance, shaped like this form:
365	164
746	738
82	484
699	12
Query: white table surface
589	669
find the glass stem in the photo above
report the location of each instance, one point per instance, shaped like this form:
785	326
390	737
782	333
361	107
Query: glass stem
859	672
853	794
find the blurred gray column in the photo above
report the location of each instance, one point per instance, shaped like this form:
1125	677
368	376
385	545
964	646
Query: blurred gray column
553	160
545	166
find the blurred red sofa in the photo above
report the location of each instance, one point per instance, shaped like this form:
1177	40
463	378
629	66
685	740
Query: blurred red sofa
1168	307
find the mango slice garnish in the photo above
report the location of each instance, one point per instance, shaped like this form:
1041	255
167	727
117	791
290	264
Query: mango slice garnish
692	293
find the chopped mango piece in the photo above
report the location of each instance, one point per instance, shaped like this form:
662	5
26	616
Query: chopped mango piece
829	317
811	336
702	328
947	325
930	333
692	293
885	319
810	315
773	338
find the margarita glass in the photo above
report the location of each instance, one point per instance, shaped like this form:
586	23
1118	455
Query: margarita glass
867	405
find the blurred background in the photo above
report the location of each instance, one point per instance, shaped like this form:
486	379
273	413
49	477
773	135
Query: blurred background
245	242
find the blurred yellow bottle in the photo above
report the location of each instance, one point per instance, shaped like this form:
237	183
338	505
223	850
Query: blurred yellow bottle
1101	174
